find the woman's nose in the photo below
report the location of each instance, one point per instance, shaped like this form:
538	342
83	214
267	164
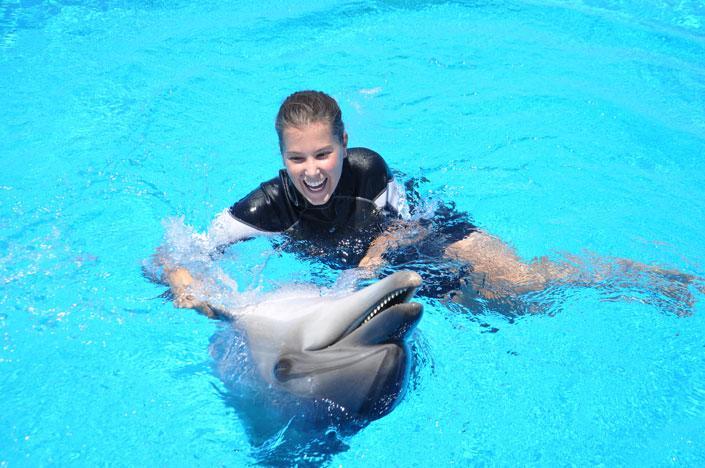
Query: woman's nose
311	167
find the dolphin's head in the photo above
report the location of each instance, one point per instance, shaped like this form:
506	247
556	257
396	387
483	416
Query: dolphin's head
346	351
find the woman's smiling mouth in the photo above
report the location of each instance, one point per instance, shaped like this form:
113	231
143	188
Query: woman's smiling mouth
315	186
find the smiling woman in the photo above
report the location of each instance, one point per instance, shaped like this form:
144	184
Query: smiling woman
313	158
313	143
327	194
344	207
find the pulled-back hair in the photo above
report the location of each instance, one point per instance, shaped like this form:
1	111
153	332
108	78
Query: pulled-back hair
306	107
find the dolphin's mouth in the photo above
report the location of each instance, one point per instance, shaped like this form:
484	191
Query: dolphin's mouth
379	313
389	301
397	297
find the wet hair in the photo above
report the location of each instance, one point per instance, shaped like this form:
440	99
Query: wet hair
306	107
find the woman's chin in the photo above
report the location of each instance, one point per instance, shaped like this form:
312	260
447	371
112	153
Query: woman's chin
316	198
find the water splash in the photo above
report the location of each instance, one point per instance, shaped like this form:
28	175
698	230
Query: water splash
186	248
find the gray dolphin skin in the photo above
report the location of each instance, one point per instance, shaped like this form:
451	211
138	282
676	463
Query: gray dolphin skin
344	351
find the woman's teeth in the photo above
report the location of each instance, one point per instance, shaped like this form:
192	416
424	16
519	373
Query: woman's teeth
314	186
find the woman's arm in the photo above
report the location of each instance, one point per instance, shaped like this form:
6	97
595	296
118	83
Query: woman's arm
187	289
186	292
399	234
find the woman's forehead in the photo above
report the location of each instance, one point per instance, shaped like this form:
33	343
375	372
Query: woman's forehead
307	137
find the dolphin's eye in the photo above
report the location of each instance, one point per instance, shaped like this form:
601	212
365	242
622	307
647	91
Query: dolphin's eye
281	369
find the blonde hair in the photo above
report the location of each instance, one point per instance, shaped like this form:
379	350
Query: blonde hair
306	107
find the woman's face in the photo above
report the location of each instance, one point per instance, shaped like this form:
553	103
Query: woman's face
313	158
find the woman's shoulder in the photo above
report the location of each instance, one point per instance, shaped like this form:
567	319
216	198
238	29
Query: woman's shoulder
361	156
267	207
368	163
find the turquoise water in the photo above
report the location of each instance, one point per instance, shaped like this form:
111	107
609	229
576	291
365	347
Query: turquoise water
561	126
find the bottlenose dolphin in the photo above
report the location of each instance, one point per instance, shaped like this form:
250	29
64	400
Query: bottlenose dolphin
342	355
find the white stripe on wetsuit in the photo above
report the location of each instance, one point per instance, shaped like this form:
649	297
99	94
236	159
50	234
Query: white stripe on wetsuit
226	229
394	198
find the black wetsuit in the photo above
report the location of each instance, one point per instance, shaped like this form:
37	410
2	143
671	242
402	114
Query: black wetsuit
340	231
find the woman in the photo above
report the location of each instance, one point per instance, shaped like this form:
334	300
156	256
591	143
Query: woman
344	206
333	201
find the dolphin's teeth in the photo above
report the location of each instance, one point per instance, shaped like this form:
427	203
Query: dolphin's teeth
383	304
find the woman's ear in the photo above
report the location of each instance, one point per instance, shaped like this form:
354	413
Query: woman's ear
345	143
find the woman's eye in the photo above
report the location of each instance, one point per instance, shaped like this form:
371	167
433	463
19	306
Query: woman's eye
322	155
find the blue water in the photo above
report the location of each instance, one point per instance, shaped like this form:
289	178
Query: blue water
572	126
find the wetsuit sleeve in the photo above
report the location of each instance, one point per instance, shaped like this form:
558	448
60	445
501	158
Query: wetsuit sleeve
226	229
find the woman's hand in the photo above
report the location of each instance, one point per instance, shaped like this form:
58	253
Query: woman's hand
187	290
400	234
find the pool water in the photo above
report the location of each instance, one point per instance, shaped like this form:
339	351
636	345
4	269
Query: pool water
572	126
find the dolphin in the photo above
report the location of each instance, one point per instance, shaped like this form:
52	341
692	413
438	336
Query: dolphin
344	354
